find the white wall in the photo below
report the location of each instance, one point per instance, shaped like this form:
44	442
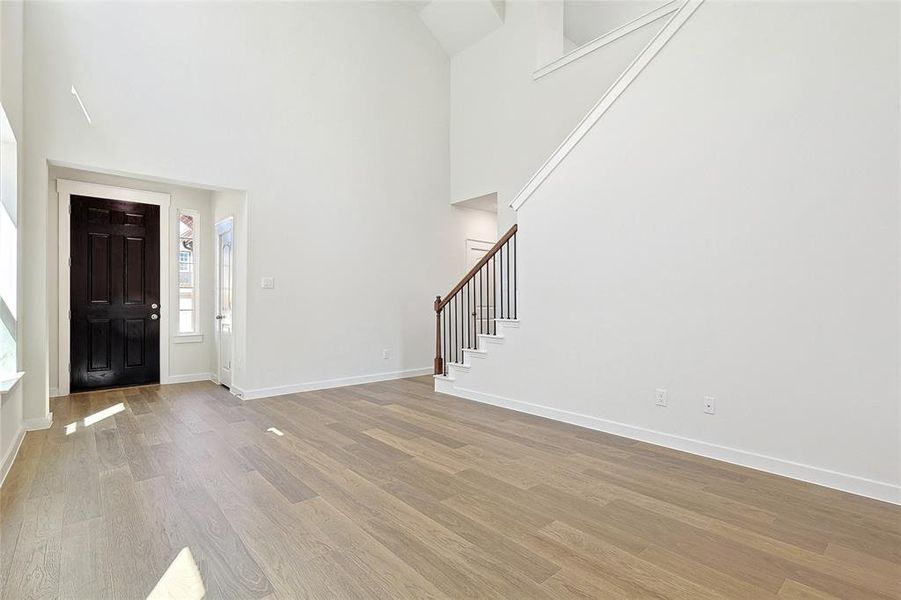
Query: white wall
504	123
332	116
11	59
191	359
743	243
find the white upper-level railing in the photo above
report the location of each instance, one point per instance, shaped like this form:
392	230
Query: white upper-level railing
683	10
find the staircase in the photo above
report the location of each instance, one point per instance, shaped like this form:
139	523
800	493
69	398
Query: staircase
476	312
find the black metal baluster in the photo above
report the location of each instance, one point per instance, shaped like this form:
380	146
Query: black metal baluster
507	244
514	276
465	319
483	277
456	323
501	252
460	344
464	324
475	338
475	312
494	292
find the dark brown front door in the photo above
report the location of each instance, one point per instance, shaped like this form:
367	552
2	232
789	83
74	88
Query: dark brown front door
115	293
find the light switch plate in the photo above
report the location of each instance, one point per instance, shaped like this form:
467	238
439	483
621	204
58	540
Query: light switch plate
268	283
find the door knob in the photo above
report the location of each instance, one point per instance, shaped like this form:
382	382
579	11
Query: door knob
154	317
154	306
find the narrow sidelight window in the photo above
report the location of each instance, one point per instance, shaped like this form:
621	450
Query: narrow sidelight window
188	268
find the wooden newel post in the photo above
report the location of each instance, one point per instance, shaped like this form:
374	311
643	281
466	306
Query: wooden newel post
439	362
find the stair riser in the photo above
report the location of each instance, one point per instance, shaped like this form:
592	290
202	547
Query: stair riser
457	373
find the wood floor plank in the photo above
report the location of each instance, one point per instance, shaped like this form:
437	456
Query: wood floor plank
496	543
133	565
623	567
389	490
292	488
82	487
83	565
241	575
35	569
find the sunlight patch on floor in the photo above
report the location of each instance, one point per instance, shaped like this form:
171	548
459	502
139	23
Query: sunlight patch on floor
103	414
96	417
181	581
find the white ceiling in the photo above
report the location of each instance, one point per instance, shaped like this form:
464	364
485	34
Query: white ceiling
457	24
584	20
488	203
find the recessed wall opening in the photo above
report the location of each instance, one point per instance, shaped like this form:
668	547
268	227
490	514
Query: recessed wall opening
479	218
120	323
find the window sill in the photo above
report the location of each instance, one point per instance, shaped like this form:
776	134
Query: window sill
7	384
187	338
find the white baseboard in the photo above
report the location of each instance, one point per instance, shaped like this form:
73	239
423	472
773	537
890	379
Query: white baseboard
11	454
39	423
878	490
254	394
54	393
189	378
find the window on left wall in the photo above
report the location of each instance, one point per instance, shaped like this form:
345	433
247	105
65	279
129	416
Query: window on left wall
9	242
188	253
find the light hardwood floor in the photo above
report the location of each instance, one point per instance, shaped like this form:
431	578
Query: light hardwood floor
389	490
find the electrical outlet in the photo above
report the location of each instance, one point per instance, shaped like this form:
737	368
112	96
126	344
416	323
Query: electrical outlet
709	405
385	354
660	395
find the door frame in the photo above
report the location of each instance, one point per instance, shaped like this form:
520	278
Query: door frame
66	188
219	228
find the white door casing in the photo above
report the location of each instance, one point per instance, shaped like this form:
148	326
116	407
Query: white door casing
65	189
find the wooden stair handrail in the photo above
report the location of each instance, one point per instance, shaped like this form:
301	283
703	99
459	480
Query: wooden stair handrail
439	303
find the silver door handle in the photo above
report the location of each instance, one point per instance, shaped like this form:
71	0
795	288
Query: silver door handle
154	306
154	317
